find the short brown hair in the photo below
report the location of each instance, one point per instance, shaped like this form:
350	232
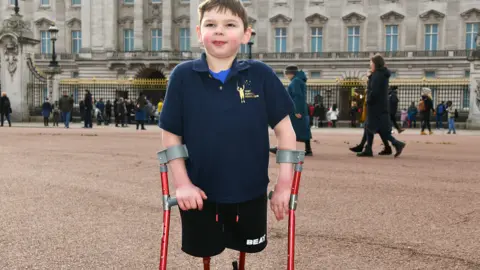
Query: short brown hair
378	61
234	6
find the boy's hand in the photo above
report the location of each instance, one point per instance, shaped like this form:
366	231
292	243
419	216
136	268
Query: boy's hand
280	200
189	197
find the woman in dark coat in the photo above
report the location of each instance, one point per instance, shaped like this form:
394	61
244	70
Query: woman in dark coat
299	118
378	117
46	111
141	110
5	109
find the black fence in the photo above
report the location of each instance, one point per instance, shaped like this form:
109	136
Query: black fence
329	92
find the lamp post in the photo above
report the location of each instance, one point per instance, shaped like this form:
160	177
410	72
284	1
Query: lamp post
53	67
250	43
53	30
16	9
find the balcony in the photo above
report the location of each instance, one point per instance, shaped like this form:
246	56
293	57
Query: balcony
287	56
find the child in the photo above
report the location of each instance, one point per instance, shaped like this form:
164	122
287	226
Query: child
56	114
404	118
451	118
220	108
333	114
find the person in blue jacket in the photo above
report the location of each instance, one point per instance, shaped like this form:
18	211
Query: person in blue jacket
297	89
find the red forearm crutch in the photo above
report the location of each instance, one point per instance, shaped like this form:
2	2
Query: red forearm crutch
165	156
297	158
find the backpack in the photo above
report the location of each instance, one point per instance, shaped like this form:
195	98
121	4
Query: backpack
440	109
456	114
421	106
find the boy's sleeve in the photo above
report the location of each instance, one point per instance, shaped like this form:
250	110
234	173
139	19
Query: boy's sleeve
278	101
171	118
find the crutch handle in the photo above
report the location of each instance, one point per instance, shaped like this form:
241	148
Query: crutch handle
172	201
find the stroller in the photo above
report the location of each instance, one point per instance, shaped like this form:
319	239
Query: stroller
180	151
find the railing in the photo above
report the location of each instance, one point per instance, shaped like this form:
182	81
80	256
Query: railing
327	92
187	55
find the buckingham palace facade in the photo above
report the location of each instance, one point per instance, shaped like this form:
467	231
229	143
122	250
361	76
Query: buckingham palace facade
329	39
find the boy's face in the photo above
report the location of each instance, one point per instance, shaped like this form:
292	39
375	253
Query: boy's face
222	33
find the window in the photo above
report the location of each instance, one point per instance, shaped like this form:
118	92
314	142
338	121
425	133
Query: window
45	42
128	39
76	2
279	74
11	2
429	74
244	48
45	2
315	74
184	39
391	32
472	30
393	74
431	37
156	39
128	1
280	40
76	41
467	73
316	42
353	38
156	1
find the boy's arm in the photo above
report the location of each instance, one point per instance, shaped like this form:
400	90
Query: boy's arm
286	140
177	166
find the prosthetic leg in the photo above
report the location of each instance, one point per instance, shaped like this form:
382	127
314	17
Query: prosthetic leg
180	151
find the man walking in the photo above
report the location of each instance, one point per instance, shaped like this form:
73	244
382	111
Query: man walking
66	107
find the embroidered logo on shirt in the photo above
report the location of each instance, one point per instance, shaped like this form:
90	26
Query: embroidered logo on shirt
244	92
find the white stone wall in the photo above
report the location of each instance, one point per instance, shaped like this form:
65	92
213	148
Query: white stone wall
102	24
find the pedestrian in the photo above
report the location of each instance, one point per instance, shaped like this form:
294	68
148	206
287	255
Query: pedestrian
378	116
46	111
297	89
412	115
393	100
425	106
141	111
5	109
66	107
451	117
88	101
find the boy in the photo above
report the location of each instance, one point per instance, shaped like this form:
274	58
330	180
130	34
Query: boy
220	108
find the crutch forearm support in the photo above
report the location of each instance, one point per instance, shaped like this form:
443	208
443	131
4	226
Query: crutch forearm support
164	157
296	158
171	153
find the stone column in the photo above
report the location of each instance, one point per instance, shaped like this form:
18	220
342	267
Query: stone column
473	121
86	26
110	24
167	25
14	81
98	33
138	25
195	46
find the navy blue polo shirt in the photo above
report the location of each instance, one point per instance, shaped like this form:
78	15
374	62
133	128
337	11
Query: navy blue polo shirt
225	125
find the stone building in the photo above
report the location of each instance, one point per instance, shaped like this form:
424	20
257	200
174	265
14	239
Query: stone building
327	38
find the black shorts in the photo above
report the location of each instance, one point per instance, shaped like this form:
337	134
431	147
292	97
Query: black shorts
208	232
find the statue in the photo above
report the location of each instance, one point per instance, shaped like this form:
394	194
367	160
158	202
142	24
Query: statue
11	53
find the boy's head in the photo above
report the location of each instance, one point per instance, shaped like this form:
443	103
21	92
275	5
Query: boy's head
223	27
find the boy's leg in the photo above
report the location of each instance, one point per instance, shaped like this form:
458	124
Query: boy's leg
249	234
202	234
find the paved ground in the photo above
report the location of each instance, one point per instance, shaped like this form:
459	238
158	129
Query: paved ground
90	199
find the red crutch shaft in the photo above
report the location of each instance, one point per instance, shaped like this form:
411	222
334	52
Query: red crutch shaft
241	261
166	218
206	263
291	216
